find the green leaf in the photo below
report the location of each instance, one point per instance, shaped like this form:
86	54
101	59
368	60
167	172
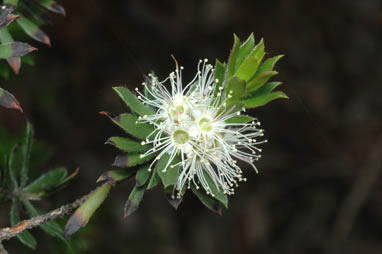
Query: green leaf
32	30
245	49
14	166
248	68
26	237
14	62
48	181
154	180
8	100
142	175
53	6
11	2
259	81
51	227
233	56
169	174
130	160
215	192
268	65
15	49
116	175
128	123
207	201
232	108
27	147
82	215
131	101
239	119
134	200
127	144
219	74
235	89
262	99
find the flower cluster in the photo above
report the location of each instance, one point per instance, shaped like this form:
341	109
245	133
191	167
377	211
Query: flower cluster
197	123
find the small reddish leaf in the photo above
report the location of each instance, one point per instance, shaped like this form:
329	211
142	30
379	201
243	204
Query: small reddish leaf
15	63
9	101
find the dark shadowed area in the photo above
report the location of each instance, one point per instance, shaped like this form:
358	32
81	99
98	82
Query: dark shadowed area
319	186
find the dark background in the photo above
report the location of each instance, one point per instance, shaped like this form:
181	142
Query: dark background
319	187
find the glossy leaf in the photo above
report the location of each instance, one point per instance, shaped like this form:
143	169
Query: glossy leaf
82	215
169	175
260	100
235	89
134	200
233	57
127	145
8	100
128	123
130	160
134	104
268	64
248	68
245	49
26	237
259	81
258	51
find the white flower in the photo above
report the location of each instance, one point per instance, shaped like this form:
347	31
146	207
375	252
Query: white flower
192	123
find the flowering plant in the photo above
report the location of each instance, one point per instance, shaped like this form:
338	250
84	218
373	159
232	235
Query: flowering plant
190	136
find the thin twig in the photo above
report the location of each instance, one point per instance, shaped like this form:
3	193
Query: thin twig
10	232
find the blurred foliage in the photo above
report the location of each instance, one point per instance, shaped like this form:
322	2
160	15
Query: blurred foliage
17	160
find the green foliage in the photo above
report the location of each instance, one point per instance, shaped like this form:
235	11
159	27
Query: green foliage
247	75
242	83
36	12
20	190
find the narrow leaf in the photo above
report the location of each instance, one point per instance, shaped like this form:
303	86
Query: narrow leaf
259	81
233	56
27	147
142	175
51	227
48	181
219	74
215	192
134	200
116	175
53	6
132	102
239	119
82	215
26	237
12	3
130	160
173	200
127	144
33	31
245	49
269	64
261	100
15	49
14	62
9	101
5	15
154	180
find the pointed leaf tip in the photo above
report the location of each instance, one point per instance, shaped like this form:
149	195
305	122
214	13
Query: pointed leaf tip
9	101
